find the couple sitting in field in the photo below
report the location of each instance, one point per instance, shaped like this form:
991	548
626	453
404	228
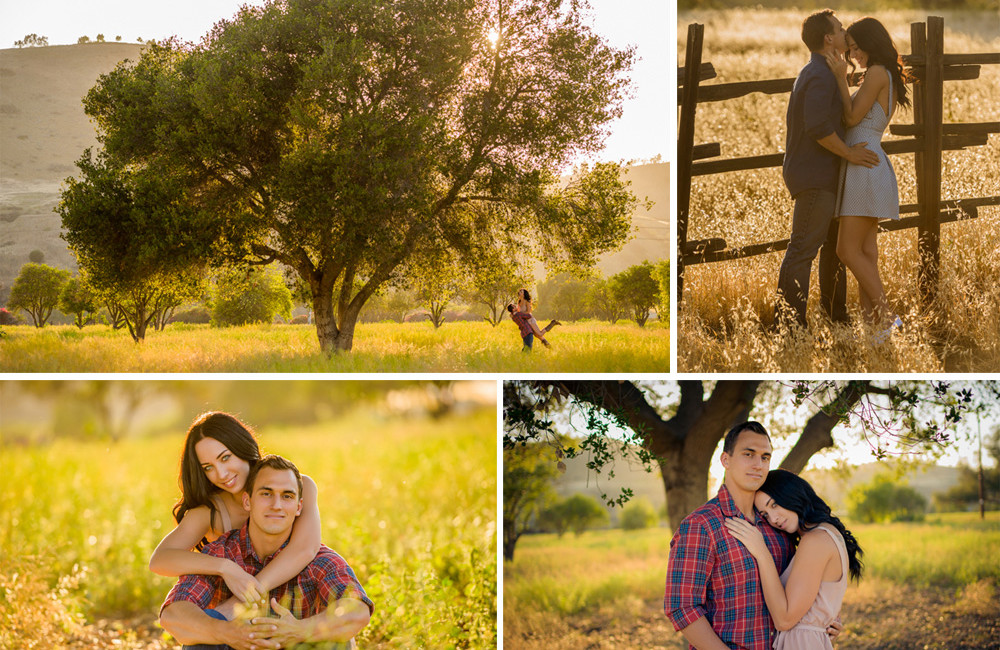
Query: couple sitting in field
262	579
764	562
526	323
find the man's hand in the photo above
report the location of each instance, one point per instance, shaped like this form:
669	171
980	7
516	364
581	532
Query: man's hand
834	629
285	630
862	156
244	636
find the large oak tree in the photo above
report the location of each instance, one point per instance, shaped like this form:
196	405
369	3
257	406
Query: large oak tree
337	137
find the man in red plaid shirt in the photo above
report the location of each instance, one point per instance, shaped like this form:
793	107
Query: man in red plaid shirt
324	603
713	593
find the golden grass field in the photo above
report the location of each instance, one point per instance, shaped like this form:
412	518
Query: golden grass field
409	501
378	347
926	585
726	306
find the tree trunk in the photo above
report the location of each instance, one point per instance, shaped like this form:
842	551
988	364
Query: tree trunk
683	445
333	338
509	542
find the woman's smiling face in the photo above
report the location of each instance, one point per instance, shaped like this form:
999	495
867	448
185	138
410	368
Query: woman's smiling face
856	53
224	469
774	514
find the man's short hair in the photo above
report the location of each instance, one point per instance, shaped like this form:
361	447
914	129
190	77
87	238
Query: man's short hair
510	308
815	27
274	462
729	446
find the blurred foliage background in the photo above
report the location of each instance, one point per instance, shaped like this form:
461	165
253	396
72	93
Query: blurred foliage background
406	473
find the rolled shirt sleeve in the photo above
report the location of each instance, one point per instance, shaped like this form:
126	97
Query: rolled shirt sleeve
692	558
819	95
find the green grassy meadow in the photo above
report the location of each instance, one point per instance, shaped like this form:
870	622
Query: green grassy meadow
926	584
410	503
378	347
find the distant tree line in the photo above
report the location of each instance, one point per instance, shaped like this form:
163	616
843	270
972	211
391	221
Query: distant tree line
243	294
32	40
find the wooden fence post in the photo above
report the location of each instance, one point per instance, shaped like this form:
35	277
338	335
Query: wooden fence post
685	144
929	161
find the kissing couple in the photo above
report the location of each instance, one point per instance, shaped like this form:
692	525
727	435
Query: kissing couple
840	179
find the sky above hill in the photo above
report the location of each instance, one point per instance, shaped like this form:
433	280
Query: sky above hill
640	134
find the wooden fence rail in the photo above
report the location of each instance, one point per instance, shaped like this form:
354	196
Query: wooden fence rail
928	137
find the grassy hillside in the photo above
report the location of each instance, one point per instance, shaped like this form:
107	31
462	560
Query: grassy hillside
43	130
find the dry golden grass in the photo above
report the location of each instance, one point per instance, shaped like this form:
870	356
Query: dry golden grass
727	307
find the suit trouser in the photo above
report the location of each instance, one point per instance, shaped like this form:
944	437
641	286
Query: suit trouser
813	230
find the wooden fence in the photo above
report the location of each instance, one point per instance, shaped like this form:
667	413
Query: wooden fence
929	136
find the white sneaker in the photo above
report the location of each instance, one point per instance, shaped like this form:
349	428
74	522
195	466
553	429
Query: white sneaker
884	335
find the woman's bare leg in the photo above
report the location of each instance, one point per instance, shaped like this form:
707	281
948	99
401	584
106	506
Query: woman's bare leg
857	247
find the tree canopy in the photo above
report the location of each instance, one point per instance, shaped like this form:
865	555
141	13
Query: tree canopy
36	291
136	236
678	426
338	137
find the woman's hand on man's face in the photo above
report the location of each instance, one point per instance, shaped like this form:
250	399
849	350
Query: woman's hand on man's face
837	63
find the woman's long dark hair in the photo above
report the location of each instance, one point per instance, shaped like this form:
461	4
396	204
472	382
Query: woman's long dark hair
795	494
873	39
196	489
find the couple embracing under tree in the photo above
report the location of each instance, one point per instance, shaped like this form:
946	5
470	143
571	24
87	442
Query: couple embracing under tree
836	171
764	564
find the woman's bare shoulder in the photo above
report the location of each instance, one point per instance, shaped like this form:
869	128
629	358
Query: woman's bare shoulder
878	74
818	540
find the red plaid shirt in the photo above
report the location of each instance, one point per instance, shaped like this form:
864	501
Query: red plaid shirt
328	577
521	319
711	574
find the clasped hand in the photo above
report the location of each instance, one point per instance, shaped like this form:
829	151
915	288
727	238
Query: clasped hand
256	631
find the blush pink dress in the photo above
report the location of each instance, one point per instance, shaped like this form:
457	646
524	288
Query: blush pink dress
810	632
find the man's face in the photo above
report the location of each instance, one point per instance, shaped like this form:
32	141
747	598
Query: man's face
839	37
274	503
750	461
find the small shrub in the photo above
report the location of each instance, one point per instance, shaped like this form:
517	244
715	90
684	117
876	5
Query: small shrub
883	501
196	315
638	514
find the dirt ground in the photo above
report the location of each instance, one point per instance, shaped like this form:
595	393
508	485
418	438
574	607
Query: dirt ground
884	616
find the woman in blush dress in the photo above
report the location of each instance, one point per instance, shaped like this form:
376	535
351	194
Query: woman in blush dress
806	598
868	194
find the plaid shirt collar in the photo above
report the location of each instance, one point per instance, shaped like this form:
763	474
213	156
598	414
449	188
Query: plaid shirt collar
247	551
728	506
